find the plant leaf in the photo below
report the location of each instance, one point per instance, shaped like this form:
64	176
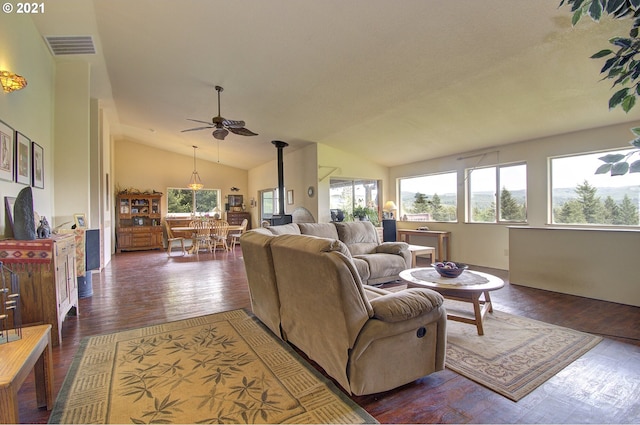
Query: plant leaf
595	10
612	158
617	98
603	169
614	6
628	103
609	63
576	17
635	142
620	168
602	53
635	167
625	43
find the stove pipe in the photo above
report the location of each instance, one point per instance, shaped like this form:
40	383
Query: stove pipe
281	217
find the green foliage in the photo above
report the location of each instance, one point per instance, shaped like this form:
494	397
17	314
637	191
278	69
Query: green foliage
622	65
588	208
434	207
510	209
179	200
484	215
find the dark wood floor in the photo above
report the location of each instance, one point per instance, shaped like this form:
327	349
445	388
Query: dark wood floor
138	289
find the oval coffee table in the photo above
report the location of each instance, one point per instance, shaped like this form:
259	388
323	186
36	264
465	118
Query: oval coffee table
468	287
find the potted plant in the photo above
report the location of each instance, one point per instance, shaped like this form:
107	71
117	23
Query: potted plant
360	213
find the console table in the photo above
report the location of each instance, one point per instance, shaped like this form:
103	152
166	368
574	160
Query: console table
48	285
444	239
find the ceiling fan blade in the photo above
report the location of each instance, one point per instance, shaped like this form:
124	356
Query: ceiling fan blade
197	128
220	133
233	124
203	122
242	131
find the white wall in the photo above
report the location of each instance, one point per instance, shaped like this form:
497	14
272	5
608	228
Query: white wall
584	262
29	110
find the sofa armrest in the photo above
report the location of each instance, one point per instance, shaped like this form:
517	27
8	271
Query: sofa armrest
392	248
405	305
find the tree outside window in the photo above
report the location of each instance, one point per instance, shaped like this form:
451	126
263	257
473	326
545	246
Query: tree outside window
181	201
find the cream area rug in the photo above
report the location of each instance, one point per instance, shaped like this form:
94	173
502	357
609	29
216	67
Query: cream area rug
515	355
220	368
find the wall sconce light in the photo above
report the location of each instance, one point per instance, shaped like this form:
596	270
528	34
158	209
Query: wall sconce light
11	82
195	183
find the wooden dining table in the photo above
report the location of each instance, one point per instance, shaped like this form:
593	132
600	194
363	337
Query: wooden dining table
189	232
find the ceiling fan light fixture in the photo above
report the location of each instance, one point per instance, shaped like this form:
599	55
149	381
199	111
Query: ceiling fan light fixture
195	183
220	133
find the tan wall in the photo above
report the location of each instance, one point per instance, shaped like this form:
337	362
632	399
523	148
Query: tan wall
336	163
72	135
584	262
300	172
29	110
142	167
488	244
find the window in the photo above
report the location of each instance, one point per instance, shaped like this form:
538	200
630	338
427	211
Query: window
504	185
186	201
351	197
579	196
429	198
268	203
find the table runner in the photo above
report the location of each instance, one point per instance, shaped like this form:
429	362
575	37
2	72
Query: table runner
26	254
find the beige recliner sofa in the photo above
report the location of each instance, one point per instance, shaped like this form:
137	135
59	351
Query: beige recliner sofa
307	291
377	262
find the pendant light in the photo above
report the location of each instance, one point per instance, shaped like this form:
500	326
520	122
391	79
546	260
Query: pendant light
195	183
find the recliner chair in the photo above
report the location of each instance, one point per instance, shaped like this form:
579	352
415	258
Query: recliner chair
367	346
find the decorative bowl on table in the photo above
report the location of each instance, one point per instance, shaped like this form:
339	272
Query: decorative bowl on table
449	268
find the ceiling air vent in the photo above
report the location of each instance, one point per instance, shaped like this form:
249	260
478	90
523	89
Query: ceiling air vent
71	45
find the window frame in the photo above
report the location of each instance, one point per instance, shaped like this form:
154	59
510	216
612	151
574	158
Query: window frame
497	194
402	213
373	204
194	206
550	189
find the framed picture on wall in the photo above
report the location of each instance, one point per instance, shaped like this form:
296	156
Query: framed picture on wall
235	200
6	152
9	201
37	166
23	159
80	221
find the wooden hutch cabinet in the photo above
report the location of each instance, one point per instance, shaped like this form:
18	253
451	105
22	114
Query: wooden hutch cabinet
139	221
235	218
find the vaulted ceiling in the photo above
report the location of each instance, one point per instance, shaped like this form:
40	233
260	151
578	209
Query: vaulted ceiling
394	81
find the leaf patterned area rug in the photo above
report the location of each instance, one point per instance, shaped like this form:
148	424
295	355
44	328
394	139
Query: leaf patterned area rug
516	354
219	368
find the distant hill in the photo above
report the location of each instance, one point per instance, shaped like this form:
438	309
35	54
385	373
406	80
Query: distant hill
560	196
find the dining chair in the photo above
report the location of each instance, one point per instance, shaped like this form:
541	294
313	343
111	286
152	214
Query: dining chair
171	238
235	235
219	234
202	235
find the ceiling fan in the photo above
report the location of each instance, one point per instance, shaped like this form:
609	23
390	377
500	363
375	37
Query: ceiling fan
223	126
